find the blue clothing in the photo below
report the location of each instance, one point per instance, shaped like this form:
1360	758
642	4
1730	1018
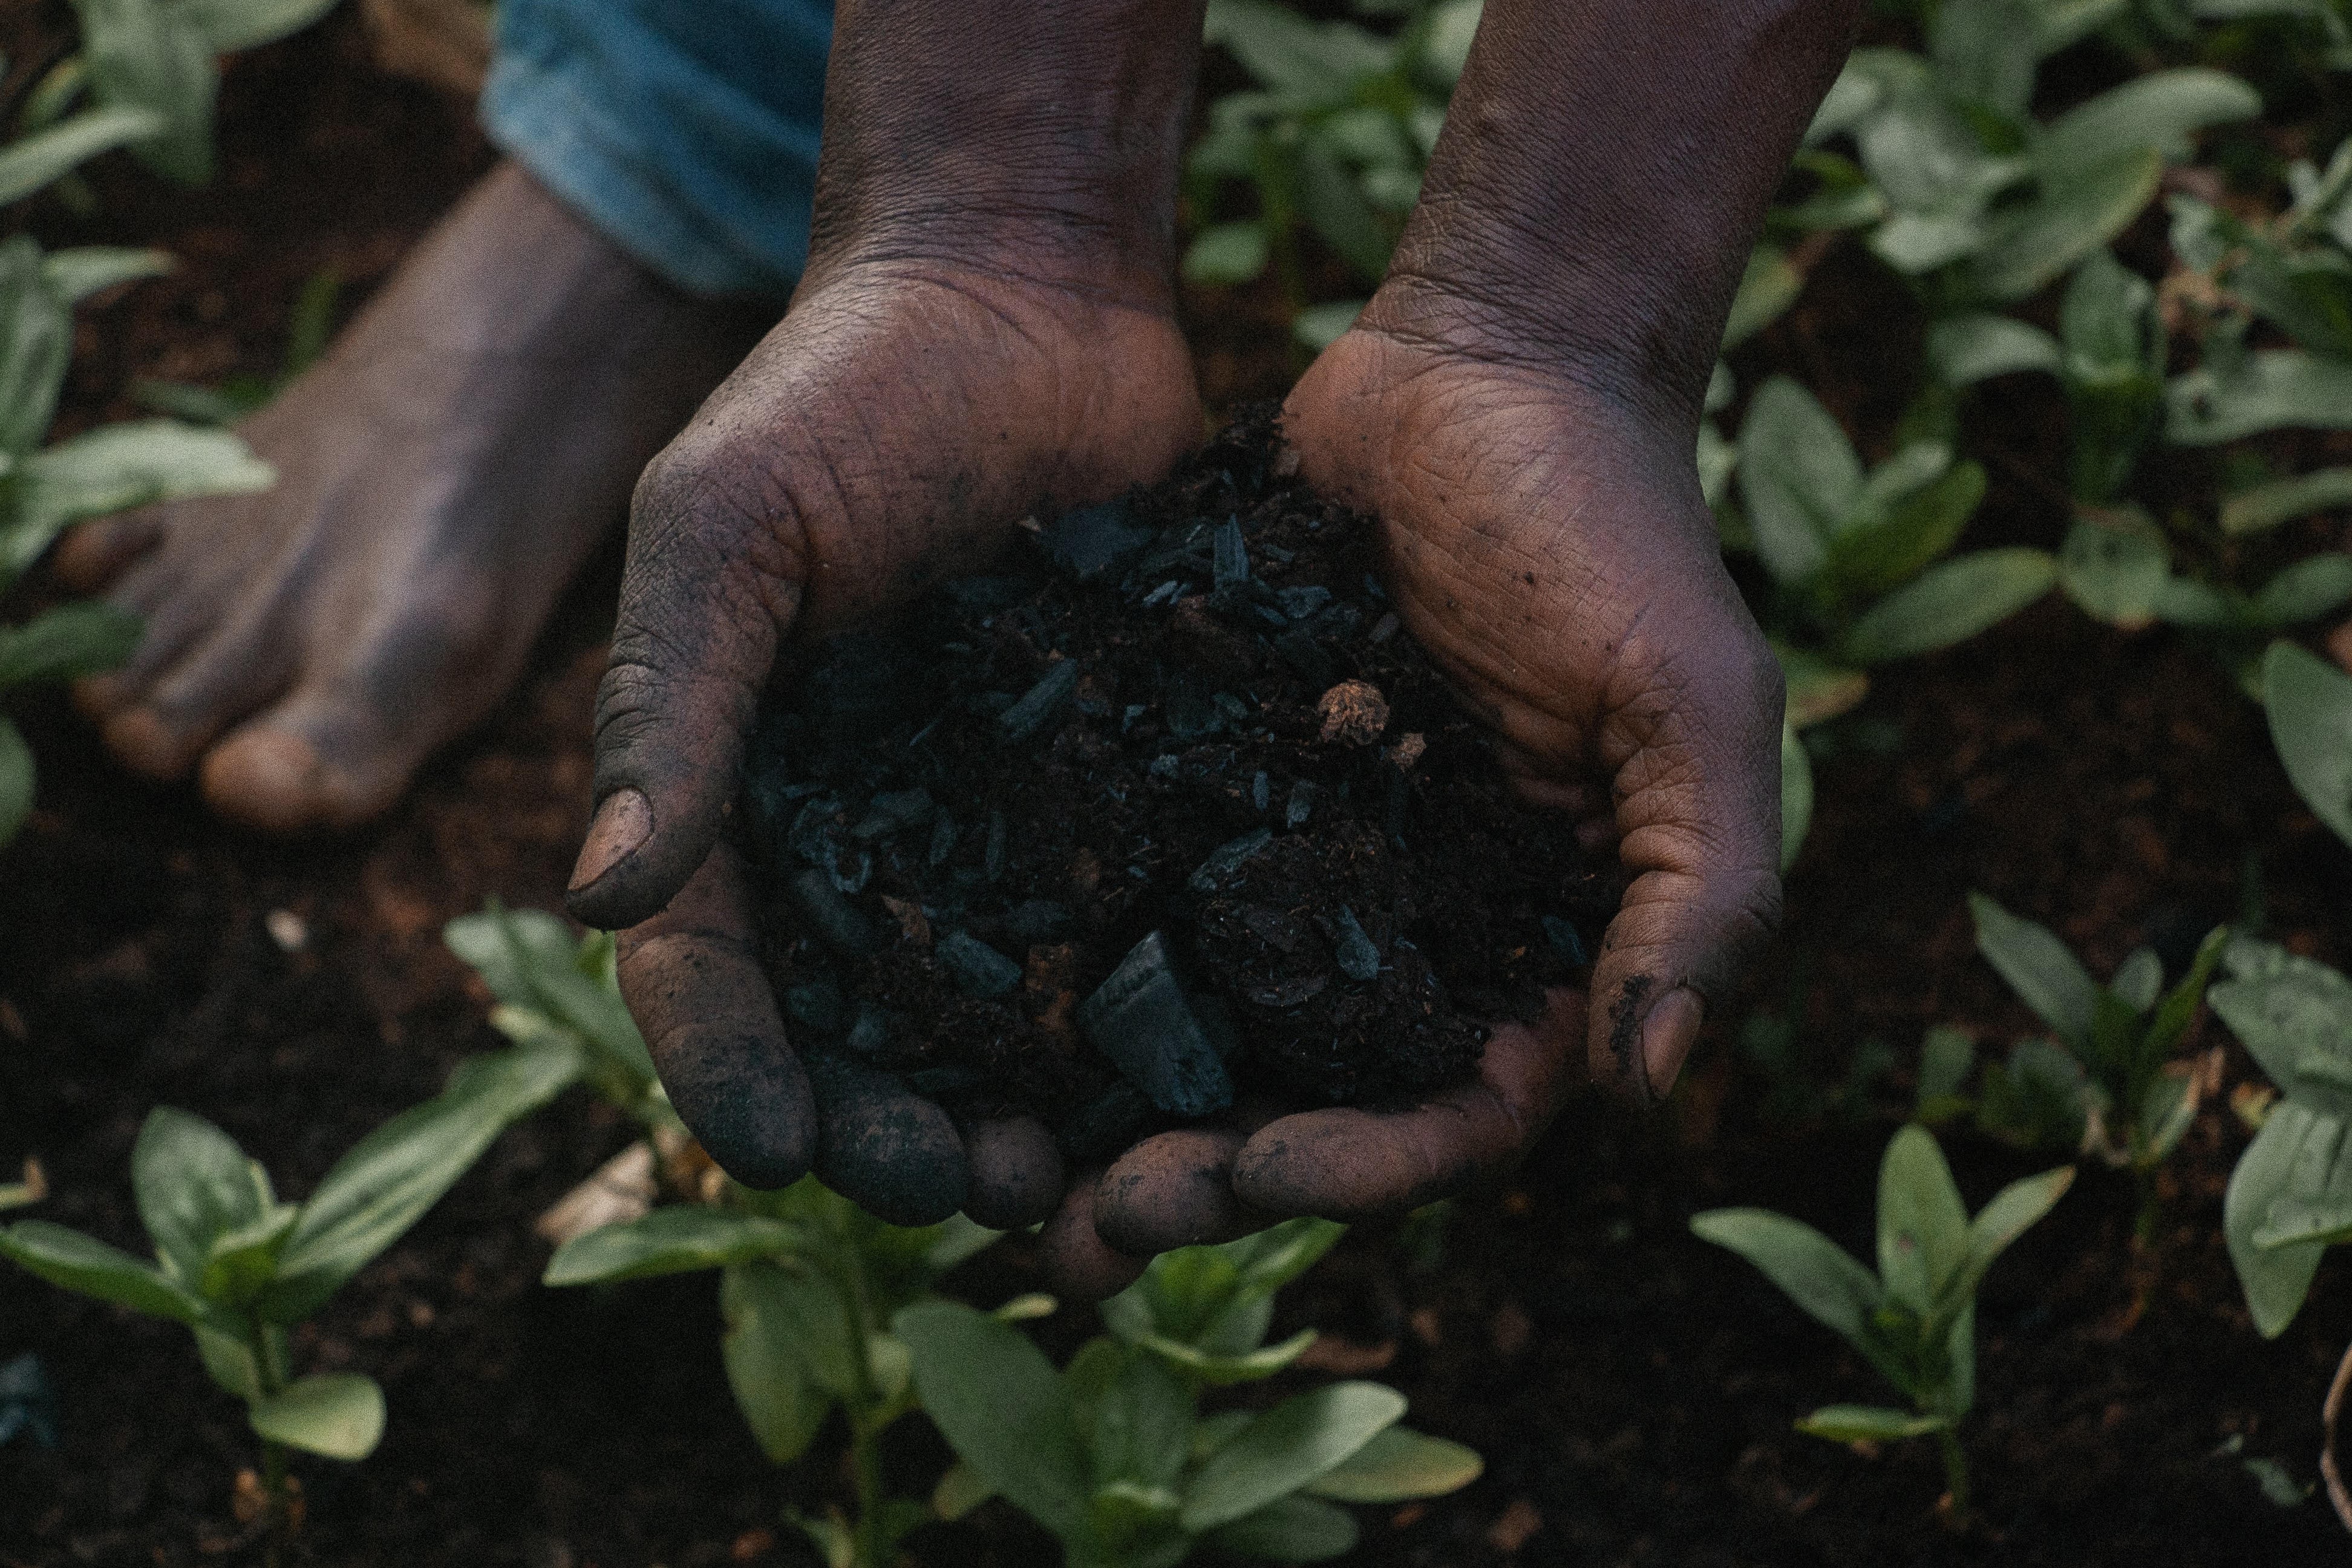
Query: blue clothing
685	131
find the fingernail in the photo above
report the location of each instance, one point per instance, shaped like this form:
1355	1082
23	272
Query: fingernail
1667	1035
622	825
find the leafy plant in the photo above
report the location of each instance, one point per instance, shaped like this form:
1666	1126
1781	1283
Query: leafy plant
241	1267
1914	1318
2106	1086
808	1284
1113	1455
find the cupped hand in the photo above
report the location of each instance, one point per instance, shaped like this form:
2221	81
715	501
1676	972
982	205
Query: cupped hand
890	432
1547	544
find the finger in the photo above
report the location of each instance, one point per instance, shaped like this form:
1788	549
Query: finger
1695	756
1349	1163
705	599
884	1147
1016	1173
1079	1263
692	979
1174	1190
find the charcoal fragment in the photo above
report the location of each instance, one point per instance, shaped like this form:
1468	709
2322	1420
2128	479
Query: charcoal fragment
979	970
1565	941
1191	713
992	854
1230	562
1301	805
870	1033
1227	859
1302	602
1036	920
1260	791
1166	593
837	922
1359	959
1305	655
1094	542
943	839
1040	705
1104	1125
817	1004
1143	1020
893	813
1235	711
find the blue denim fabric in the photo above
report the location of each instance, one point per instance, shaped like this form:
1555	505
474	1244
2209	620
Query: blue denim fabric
685	131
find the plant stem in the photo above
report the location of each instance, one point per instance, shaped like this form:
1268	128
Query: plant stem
1956	1478
270	1365
867	1417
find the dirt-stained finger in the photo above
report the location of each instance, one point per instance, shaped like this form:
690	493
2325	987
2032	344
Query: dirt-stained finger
1079	1264
1016	1173
692	979
1352	1163
885	1147
1174	1190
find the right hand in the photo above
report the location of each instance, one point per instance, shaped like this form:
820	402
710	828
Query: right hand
891	431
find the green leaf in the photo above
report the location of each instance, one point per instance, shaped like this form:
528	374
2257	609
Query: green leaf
194	1185
2154	114
77	274
2275	1279
960	1492
1285	1448
1318	326
2077	209
229	26
67	643
16	778
389	1178
2059	23
2311	588
1141	1429
2046	976
999	1404
1950	602
2298	1028
340	1416
766	1348
676	1239
1820	1276
72	1261
1984	52
230	1361
1965	350
2116	574
1796	796
1947	1056
1872	557
1923	1227
1224	1370
2309	702
2275	389
1399	1464
1336	210
32	161
1291	55
1226	253
1868	1424
144	54
35	340
2038	1099
1799	478
1289	1530
2167	1111
118	467
2013	1210
1817	691
2282	500
2171	1020
1766	289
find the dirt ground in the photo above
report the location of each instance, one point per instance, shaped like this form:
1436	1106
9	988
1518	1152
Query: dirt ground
1630	1388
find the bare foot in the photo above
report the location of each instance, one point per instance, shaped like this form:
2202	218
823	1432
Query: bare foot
442	473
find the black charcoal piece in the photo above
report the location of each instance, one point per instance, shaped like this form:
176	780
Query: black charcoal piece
992	854
1237	712
989	704
1227	859
1094	541
1040	705
1297	649
837	921
1104	1125
817	1004
1166	593
870	1033
979	969
933	1082
893	813
1142	1019
1359	959
1231	562
1301	805
1302	602
810	835
1191	714
851	872
1271	616
1261	790
943	839
1565	941
1038	919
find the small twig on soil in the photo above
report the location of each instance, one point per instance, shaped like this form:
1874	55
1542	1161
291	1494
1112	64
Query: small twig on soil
2329	1412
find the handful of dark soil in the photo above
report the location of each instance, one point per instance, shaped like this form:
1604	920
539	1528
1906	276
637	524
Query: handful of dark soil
1170	807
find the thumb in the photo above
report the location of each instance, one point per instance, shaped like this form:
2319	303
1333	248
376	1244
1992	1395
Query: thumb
1698	810
704	606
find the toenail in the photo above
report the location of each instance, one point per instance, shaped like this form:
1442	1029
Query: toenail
622	825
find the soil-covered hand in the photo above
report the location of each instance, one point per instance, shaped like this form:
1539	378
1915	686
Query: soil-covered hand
891	431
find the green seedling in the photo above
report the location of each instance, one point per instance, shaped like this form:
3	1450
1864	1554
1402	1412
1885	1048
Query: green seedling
1114	1453
242	1269
1914	1318
2107	1086
558	991
809	1283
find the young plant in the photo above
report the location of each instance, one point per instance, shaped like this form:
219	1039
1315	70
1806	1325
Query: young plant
1113	1455
1857	558
242	1269
2107	1086
1914	1318
809	1283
